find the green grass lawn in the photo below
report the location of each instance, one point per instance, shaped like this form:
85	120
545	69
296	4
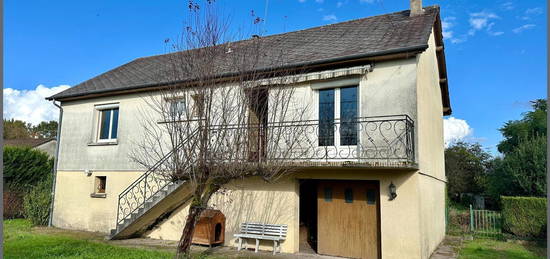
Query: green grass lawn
486	248
20	241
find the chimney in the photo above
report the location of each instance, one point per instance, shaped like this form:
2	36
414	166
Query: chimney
416	7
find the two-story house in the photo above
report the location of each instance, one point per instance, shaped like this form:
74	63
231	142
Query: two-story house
377	190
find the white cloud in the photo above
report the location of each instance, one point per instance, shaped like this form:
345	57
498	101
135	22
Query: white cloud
530	12
330	18
30	105
461	39
446	25
366	1
480	20
534	11
507	6
447	34
523	28
301	1
455	130
341	3
491	32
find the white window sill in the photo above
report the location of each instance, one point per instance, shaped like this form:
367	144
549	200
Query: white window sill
103	143
98	195
172	121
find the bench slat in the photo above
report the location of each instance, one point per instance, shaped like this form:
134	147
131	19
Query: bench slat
276	228
263	231
261	224
259	237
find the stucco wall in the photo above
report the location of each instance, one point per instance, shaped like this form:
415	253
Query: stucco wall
430	151
77	132
75	209
249	200
389	89
253	200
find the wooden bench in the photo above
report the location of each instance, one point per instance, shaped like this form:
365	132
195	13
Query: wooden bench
260	231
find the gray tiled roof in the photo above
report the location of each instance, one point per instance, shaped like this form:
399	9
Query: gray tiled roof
384	34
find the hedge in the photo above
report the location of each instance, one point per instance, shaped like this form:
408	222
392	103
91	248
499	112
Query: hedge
25	167
37	203
524	217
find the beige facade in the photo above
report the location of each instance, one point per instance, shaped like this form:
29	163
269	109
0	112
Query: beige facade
75	208
411	226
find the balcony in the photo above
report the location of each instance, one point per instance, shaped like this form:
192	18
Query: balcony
375	142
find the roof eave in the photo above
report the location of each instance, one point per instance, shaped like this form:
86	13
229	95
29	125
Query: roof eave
442	65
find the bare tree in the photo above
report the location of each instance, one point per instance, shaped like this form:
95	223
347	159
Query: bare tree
230	115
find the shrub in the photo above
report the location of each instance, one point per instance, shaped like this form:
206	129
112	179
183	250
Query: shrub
459	221
37	203
24	167
13	204
524	217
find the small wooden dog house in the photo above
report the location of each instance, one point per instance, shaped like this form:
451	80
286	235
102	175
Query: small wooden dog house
210	228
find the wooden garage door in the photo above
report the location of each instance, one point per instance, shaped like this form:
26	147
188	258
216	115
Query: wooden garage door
348	219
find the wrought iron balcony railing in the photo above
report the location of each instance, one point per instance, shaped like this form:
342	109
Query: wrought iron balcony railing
377	141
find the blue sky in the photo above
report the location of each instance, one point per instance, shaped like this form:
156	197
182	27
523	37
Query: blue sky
496	50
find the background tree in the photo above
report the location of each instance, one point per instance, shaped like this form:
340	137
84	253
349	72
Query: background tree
218	129
16	129
521	172
532	124
46	129
466	167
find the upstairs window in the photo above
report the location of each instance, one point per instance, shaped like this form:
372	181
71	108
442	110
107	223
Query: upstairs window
326	117
338	103
198	105
177	108
348	116
108	123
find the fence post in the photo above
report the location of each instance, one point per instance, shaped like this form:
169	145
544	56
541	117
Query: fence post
471	219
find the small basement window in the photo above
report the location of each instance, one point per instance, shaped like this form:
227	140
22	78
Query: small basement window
99	187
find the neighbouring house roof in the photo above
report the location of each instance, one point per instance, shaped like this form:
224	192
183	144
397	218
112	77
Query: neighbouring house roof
367	37
27	142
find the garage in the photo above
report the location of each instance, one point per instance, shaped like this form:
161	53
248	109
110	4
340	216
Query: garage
345	217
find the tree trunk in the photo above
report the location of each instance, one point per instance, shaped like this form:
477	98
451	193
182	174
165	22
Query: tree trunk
184	244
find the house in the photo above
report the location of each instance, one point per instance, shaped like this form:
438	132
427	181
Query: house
379	193
46	145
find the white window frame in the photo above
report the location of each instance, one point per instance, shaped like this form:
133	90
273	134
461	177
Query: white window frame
337	88
172	101
101	108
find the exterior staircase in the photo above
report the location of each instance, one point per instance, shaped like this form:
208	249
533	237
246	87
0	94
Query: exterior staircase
155	209
151	198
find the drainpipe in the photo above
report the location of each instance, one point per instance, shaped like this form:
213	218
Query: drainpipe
56	159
